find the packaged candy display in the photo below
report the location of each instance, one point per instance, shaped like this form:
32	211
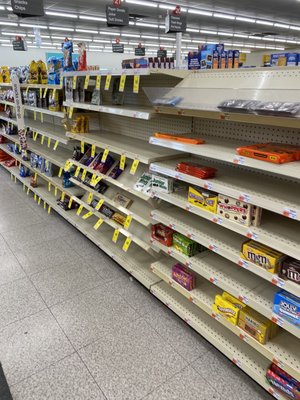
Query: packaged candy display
144	183
197	170
82	63
162	234
66	180
277	108
102	167
182	139
101	187
55	67
33	73
287	306
238	105
117	96
262	255
184	276
186	245
33	181
4	156
162	184
289	269
276	153
119	218
122	200
204	199
67	48
96	97
86	159
24	172
105	210
42	72
80	124
238	211
283	382
4	74
10	162
54	103
116	171
236	302
256	325
227	309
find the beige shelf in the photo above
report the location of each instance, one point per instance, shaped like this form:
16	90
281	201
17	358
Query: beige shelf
39	110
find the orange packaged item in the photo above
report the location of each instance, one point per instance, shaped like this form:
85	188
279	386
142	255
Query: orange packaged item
182	139
276	153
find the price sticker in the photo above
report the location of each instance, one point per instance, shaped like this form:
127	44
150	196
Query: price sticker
53	94
237	362
27	89
239	160
115	235
213	280
243	263
245	197
107	82
134	167
136	83
45	93
68	165
34	115
70	202
93	150
82	147
104	156
35	197
251	235
122	162
97	180
84	172
278	281
74	82
216	316
289	213
42	139
63	195
277	320
55	145
93	180
122	83
213	248
45	205
90	198
80	208
77	171
86	82
71	110
98	82
60	172
39	201
126	244
98	224
42	117
217	220
87	215
99	204
49	142
208	186
49	209
35	135
127	222
243	298
279	363
55	191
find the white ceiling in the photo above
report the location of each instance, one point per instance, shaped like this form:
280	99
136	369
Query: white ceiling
234	32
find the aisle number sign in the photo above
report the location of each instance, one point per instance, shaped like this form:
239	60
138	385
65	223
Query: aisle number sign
98	82
134	167
107	82
136	83
122	83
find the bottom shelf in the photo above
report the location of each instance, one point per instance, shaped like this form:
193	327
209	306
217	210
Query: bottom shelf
251	362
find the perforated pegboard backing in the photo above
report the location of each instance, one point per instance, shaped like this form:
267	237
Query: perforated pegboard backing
246	132
142	129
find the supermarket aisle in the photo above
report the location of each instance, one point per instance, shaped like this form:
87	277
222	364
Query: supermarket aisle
73	325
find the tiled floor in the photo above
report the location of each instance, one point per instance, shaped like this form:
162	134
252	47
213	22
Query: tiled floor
74	326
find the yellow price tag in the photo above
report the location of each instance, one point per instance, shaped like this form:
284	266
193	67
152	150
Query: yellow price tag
35	197
63	195
87	215
79	210
68	165
39	201
45	205
45	92
97	180
115	235
28	191
42	139
83	174
98	224
34	136
122	162
49	209
134	167
90	198
99	204
136	83
27	89
127	222
41	93
98	82
71	110
77	172
93	179
104	156
53	94
34	115
93	150
55	145
35	176
60	172
70	202
42	117
107	82
74	82
55	191
82	147
126	244
49	142
86	82
122	83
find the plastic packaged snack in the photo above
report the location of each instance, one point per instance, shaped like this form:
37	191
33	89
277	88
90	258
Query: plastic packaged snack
284	382
144	183
67	48
279	108
82	63
276	153
238	105
195	169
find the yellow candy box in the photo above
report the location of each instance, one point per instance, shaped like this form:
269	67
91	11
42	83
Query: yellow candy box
204	199
226	309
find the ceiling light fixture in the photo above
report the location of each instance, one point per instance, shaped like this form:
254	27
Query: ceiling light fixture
224	16
291	41
61	28
261	22
13	34
101	41
9	8
171	7
34	26
109	33
4	40
295	28
240	35
8	23
86	31
149	37
279	48
200	12
225	34
255	37
208	32
192	30
142	3
90	18
82	39
64	14
130	35
246	19
283	26
146	24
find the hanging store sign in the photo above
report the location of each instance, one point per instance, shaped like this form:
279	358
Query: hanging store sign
19	44
118	48
117	15
175	21
28	8
139	51
162	53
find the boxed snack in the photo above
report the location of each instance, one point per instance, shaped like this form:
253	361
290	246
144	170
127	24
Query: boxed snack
162	234
236	58
194	59
162	184
287	306
262	255
276	153
215	59
290	269
184	276
204	199
105	210
186	245
235	210
195	169
283	382
255	324
227	309
119	218
144	183
122	200
229	59
206	59
236	302
223	59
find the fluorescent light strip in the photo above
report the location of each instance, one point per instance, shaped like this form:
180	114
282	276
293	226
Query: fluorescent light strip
149	37
146	25
261	22
240	35
224	16
283	26
4	41
167	7
142	3
246	19
192	30
295	28
34	26
9	8
291	41
82	39
57	37
225	34
6	45
208	32
130	35
61	28
8	23
101	41
255	37
86	31
64	14
2	8
13	34
109	33
200	12
91	18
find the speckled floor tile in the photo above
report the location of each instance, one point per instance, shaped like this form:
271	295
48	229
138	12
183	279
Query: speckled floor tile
84	317
31	344
68	379
18	299
186	385
130	362
107	268
228	379
61	282
38	257
18	219
82	245
10	268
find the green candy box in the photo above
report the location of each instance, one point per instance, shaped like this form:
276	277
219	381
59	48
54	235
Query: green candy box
186	245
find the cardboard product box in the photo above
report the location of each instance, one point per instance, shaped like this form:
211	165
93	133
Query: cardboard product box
194	58
290	269
229	64
292	59
255	324
223	60
235	210
186	245
287	306
236	302
226	309
184	276
236	58
215	59
204	199
206	59
162	183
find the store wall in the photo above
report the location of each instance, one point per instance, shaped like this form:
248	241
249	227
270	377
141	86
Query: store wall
255	58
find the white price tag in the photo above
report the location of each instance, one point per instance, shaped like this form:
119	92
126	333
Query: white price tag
208	186
289	213
277	320
243	263
239	160
245	197
189	207
252	235
244	337
191	236
178	176
243	298
237	362
278	281
213	248
172	226
213	280
217	220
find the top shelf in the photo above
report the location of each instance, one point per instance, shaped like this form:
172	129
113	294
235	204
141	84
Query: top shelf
33	86
179	73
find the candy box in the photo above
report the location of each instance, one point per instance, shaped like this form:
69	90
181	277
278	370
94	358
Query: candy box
255	324
119	218
185	245
162	234
234	210
108	212
287	306
185	277
283	382
236	58
262	255
290	269
122	200
284	375
204	199
162	184
144	183
226	309
236	302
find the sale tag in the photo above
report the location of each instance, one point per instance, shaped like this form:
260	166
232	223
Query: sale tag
127	222
126	244
71	110
93	150
45	205
84	172
35	135
99	204
77	172
208	186
86	82
63	195
49	209
93	180
55	191
49	142
42	117
35	176
122	162
288	212
87	215
74	82
82	147
134	167
122	83
39	201
55	145
98	82
68	165
115	235
97	180
107	82
90	198
27	89
278	281
252	235
79	209
35	197
98	224
245	197
239	160
45	92
42	139
243	263
60	172
104	156
53	94
136	83
277	320
41	93
70	202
